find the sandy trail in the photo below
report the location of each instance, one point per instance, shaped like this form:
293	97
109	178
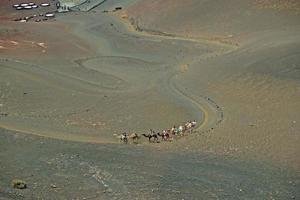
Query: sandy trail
256	85
148	73
100	77
115	80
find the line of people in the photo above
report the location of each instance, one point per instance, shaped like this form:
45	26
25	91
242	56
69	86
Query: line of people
164	134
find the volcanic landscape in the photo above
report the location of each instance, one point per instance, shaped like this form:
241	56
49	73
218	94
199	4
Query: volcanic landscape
76	75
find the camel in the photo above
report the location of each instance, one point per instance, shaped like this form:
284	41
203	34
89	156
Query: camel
134	136
194	123
181	130
165	135
188	125
123	137
150	136
174	130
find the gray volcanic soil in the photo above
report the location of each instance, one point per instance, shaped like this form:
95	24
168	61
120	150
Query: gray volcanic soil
256	84
100	78
115	89
216	19
91	171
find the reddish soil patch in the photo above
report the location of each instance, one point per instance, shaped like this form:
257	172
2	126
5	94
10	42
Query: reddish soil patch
39	39
44	39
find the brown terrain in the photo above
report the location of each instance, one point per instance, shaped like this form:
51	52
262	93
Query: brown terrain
257	83
70	84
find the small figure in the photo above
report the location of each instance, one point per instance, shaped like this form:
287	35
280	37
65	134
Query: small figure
194	123
124	137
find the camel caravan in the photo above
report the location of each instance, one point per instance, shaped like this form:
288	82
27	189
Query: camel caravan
164	135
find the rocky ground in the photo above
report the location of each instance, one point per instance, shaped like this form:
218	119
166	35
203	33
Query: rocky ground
67	86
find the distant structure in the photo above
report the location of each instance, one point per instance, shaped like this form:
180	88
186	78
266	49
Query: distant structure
84	5
25	6
64	6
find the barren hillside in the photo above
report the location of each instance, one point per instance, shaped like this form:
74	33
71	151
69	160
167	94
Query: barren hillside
202	18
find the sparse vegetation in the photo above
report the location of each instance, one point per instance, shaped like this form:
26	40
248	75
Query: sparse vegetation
18	184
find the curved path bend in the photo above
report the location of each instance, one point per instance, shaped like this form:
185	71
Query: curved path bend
164	71
209	112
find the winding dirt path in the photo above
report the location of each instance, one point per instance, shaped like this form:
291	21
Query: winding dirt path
208	113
